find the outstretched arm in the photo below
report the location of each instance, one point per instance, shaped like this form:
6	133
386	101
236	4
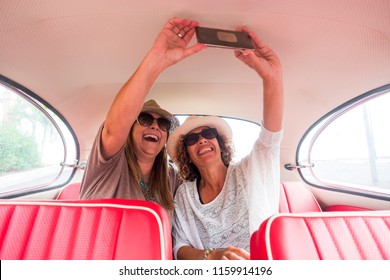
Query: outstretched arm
169	48
267	65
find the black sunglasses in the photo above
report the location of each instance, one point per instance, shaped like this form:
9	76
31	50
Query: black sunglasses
146	119
207	133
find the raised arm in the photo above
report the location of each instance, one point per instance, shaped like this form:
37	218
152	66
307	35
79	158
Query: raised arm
170	47
267	65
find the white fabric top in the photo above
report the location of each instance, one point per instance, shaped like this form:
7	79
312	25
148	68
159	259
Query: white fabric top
249	196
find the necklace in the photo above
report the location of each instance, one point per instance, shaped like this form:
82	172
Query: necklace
147	191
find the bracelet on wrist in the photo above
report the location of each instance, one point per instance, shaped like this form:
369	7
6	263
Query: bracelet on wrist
206	254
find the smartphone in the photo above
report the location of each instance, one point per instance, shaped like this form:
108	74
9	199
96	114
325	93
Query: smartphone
223	38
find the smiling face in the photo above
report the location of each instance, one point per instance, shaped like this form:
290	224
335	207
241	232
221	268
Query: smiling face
204	151
148	140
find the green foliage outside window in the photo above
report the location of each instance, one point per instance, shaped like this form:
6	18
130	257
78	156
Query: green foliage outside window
18	151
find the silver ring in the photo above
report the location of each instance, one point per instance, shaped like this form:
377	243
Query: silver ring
179	34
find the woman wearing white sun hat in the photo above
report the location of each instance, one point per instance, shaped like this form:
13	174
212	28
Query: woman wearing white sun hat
221	203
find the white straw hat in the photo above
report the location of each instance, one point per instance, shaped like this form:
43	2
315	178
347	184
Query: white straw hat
194	122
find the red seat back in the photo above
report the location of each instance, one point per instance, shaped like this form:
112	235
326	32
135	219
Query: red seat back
70	192
85	229
295	197
345	208
323	236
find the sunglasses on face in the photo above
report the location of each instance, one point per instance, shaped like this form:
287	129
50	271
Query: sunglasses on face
146	119
193	138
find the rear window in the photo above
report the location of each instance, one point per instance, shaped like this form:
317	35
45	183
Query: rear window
349	147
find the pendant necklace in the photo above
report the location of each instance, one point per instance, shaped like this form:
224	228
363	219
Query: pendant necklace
147	191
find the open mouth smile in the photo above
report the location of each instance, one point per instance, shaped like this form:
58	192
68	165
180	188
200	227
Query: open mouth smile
151	138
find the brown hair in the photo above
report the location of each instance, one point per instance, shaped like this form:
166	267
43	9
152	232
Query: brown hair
158	180
188	170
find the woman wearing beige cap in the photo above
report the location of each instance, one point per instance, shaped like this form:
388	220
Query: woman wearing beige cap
221	203
128	158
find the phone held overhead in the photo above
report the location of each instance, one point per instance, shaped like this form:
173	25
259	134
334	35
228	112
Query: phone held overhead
221	38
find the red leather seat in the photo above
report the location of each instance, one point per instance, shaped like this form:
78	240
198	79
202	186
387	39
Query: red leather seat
70	192
323	236
295	197
85	229
345	208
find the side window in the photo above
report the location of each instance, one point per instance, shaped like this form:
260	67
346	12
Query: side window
34	144
350	147
245	134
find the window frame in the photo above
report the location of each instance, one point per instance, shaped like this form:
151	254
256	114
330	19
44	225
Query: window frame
43	106
327	119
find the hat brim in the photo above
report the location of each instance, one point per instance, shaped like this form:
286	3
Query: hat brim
194	122
163	113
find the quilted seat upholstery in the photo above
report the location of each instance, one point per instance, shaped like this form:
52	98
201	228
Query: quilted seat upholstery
83	230
323	236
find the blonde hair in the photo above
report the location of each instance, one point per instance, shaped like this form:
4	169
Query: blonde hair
158	180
